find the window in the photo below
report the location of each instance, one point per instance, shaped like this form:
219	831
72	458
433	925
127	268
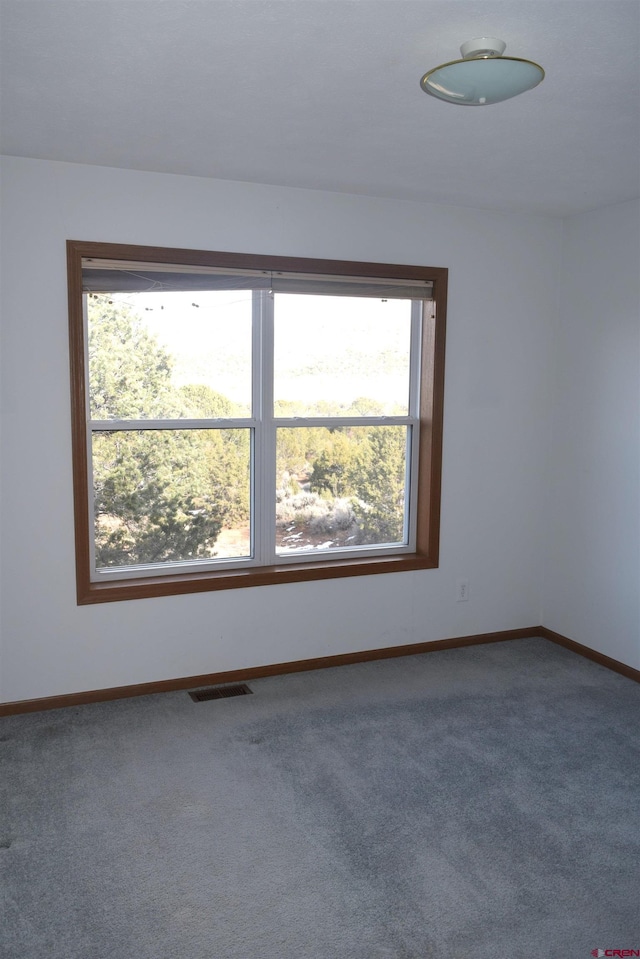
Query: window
245	420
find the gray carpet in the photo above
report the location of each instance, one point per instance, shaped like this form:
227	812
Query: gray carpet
476	803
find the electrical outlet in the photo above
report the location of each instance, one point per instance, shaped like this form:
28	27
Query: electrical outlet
462	591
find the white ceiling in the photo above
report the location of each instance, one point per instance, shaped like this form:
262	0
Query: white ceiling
324	94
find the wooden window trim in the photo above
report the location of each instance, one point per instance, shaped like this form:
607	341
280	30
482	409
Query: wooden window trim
426	554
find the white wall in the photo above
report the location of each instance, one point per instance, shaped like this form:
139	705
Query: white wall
592	581
503	288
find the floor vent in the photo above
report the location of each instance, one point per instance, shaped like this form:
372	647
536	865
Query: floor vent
220	692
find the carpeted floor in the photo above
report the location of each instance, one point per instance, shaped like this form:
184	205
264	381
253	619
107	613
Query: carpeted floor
477	803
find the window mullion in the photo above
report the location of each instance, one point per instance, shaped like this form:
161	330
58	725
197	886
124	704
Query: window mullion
265	439
413	435
344	422
111	426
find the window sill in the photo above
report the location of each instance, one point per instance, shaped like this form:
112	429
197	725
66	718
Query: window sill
167	585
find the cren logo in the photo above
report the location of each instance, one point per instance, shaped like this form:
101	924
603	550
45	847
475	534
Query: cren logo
620	953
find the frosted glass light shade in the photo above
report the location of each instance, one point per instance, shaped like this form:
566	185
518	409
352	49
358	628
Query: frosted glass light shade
479	80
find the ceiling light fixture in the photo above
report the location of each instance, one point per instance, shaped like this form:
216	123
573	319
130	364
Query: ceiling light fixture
483	76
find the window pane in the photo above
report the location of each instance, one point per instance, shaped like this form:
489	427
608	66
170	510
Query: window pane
341	356
169	355
340	488
170	495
